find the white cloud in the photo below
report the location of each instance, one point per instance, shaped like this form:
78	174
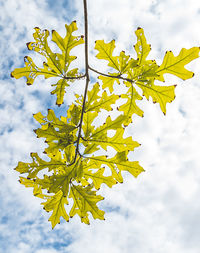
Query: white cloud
157	212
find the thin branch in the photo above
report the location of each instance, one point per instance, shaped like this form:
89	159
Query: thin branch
118	76
87	79
73	77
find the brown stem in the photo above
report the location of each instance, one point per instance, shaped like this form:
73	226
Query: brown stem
118	76
86	82
73	77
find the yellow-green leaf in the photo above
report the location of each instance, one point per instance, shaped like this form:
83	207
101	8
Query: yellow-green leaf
118	142
109	125
108	82
56	203
31	71
96	102
67	43
159	94
120	63
85	200
105	53
97	177
55	64
87	126
176	64
60	90
40	45
130	107
141	47
33	168
118	164
37	189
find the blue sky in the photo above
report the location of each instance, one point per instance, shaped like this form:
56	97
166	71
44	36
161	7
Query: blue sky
157	212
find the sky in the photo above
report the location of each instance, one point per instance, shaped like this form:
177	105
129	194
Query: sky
158	212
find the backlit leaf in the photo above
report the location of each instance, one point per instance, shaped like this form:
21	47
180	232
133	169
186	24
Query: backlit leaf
96	102
159	94
55	64
90	147
56	204
85	200
176	64
141	47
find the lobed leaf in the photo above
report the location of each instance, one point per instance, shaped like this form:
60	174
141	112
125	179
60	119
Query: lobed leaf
37	165
130	107
96	102
108	82
56	204
141	47
118	164
55	64
159	94
85	200
97	177
176	65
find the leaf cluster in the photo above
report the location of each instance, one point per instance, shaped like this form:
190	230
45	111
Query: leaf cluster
78	161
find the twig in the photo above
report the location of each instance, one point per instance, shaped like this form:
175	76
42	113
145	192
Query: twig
118	76
86	82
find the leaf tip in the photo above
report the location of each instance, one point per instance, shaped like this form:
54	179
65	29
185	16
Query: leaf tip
28	45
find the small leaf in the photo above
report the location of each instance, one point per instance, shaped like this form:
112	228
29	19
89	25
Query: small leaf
60	90
109	125
37	189
97	177
159	94
33	168
142	48
118	164
105	53
96	102
118	142
56	204
66	44
85	200
176	65
130	107
55	64
108	82
31	71
87	126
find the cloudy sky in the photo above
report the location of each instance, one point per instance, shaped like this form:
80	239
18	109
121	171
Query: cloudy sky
160	210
